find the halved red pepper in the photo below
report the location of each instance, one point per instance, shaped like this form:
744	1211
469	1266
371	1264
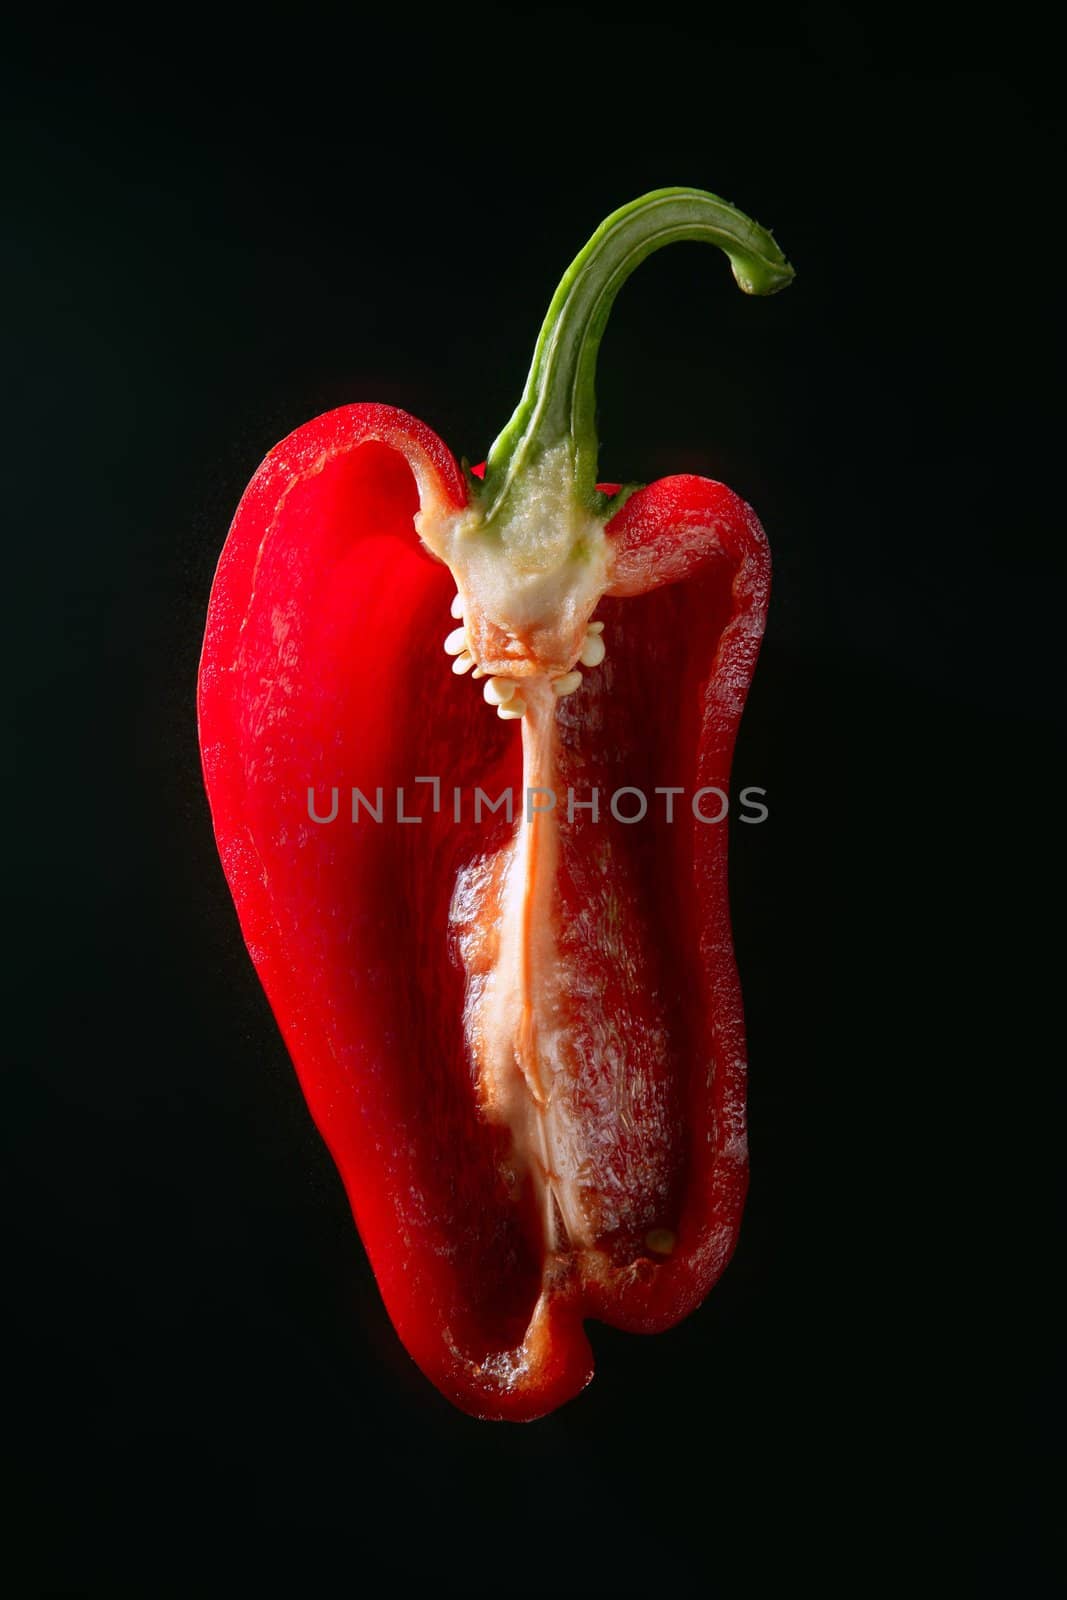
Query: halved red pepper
521	1038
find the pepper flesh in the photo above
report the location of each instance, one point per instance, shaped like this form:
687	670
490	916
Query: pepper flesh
522	1040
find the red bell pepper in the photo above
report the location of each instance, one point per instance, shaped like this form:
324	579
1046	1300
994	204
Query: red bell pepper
521	1038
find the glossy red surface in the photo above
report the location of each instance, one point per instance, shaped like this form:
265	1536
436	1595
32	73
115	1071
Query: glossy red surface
322	668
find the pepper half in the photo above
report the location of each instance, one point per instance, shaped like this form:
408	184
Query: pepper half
496	936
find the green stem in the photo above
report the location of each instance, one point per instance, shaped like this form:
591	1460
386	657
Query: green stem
558	404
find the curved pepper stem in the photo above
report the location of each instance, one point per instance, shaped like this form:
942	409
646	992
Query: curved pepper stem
558	404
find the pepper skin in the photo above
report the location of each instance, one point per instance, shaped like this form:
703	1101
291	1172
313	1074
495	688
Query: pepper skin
522	1039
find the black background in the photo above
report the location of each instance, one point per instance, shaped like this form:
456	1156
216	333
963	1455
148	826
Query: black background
211	241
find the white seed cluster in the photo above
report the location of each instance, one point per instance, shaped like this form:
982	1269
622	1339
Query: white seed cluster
502	693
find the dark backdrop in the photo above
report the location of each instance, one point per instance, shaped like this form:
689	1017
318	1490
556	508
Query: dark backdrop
209	243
